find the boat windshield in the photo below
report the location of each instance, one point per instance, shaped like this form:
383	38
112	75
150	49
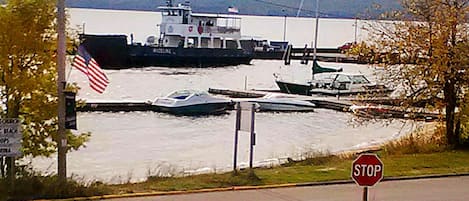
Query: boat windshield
325	77
359	79
183	94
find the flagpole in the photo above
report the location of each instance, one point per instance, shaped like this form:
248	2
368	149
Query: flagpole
62	140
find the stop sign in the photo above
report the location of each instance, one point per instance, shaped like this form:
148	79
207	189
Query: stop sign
367	170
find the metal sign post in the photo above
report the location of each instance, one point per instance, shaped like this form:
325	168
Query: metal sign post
245	112
365	193
238	122
253	136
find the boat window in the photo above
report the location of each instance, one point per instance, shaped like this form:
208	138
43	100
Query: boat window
359	79
180	97
185	17
343	78
172	13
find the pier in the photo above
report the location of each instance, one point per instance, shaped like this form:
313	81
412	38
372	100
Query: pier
342	104
326	102
116	107
322	102
306	54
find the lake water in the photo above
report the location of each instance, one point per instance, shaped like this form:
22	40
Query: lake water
129	145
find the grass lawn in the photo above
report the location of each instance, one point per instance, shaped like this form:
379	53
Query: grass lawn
311	170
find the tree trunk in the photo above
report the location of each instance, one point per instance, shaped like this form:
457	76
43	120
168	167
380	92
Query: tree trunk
450	101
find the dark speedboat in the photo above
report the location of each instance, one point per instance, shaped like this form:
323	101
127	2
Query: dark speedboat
191	102
302	88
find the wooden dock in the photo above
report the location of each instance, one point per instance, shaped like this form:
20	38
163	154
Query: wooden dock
306	54
116	107
343	104
321	102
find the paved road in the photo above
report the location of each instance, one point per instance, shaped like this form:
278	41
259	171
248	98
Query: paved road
439	189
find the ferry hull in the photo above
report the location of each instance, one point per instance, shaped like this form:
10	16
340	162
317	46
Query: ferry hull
143	56
113	52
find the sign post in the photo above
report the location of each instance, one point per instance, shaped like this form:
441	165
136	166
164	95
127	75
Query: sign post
245	112
367	170
238	123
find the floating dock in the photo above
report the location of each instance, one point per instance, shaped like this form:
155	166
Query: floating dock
341	104
321	102
117	107
306	54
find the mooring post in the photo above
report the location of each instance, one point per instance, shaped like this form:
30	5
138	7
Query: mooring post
245	82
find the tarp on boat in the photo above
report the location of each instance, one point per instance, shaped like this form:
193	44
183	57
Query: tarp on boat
318	69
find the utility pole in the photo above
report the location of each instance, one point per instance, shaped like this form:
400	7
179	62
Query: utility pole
62	138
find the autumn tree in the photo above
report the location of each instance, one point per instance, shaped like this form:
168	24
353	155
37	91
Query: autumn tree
28	42
425	52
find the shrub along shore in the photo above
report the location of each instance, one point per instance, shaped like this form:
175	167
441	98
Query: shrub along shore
421	153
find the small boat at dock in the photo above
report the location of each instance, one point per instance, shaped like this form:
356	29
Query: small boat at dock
331	81
191	102
283	103
345	84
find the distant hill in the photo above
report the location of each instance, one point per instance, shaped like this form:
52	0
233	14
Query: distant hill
329	8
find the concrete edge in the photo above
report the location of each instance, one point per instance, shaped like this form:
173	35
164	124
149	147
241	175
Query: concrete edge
242	188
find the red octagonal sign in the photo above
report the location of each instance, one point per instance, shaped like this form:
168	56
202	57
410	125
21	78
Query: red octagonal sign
367	170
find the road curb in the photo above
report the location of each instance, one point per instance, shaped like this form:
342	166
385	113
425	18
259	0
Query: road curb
242	188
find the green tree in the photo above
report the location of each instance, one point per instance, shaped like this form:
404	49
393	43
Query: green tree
426	51
28	76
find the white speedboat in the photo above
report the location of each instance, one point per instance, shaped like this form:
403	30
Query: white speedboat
283	103
191	102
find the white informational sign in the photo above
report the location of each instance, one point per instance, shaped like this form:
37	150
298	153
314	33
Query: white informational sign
10	137
247	116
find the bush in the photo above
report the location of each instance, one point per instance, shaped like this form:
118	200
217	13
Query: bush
32	185
424	140
464	120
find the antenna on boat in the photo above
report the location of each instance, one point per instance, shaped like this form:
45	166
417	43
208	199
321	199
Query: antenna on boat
169	3
299	8
316	30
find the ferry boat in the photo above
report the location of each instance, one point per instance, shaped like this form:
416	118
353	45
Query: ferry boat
186	39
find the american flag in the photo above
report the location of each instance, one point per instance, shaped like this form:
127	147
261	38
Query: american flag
87	65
